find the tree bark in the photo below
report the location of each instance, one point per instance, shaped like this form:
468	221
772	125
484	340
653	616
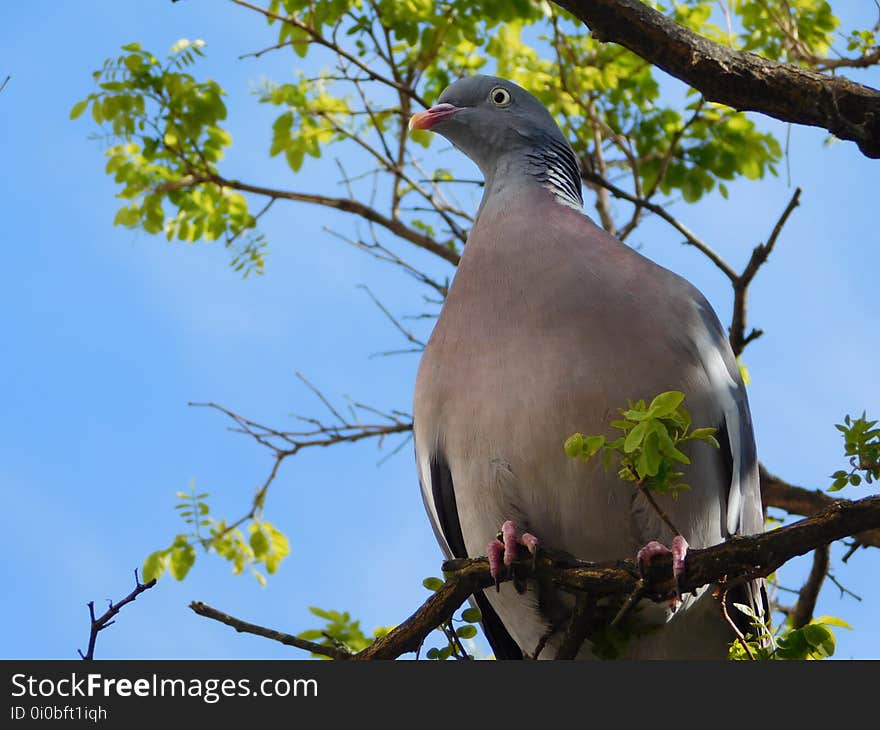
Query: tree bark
805	502
739	79
737	559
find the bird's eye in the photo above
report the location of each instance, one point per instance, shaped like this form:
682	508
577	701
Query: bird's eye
500	96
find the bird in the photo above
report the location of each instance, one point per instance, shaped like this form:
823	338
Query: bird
550	324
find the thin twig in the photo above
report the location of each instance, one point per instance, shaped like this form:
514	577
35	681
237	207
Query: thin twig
663	516
203	609
732	624
738	337
406	333
257	54
285	444
319	39
636	595
105	620
843	589
320	395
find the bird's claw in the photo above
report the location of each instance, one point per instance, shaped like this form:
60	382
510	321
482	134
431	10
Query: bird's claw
502	551
648	554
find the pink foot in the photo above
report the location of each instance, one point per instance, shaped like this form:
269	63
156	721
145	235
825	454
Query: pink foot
653	549
502	551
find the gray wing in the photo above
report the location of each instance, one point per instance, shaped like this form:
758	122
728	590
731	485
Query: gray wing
745	515
438	493
744	511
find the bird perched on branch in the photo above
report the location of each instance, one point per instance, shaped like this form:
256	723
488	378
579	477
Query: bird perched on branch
549	326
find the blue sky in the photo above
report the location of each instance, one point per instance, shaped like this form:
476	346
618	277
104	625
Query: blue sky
109	333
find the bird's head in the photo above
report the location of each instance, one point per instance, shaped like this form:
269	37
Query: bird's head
485	116
490	119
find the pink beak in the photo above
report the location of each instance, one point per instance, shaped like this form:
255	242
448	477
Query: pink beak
432	116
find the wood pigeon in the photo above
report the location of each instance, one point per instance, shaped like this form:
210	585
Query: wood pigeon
549	326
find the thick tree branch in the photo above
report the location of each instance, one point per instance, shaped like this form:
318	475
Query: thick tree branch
806	502
744	81
802	613
469	576
740	558
577	631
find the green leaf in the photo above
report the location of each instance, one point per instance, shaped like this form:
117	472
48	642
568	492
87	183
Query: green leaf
183	557
634	414
832	621
78	109
472	615
793	646
839	484
652	456
592	444
467	632
574	445
154	565
705	434
259	543
421	137
665	404
820	638
634	438
433	584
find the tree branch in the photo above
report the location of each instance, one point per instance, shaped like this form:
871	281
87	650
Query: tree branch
106	620
738	337
469	576
806	502
744	81
243	627
802	613
346	205
740	558
284	444
316	37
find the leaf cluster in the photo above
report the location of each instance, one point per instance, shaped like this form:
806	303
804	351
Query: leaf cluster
265	545
813	641
166	139
648	451
382	59
862	446
341	632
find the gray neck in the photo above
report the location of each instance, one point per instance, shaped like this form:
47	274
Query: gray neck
549	163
